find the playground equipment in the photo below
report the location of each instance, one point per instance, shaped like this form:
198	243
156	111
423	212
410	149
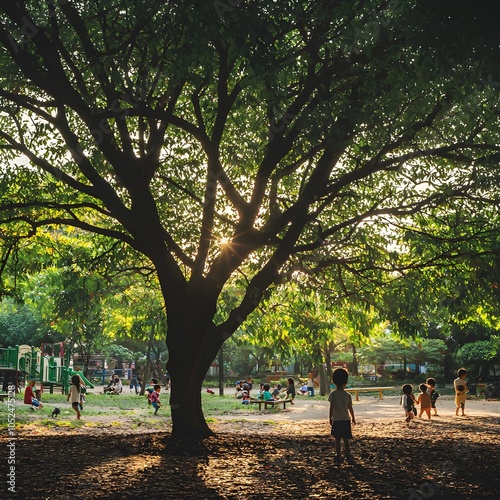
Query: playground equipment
26	362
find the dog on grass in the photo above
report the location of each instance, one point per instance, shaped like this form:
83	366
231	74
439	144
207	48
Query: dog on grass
55	412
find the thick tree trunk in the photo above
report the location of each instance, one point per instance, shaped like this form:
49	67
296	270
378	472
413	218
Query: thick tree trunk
328	360
324	386
188	420
146	375
355	372
221	371
296	366
192	348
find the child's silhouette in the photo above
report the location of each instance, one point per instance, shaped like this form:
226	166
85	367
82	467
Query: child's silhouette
340	409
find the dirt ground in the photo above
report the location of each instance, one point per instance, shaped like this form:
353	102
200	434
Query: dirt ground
285	454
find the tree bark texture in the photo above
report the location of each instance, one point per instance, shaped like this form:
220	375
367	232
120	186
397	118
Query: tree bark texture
192	345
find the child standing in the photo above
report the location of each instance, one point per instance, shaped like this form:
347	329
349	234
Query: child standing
340	409
461	390
155	398
424	400
431	384
290	390
310	384
408	401
134	384
75	395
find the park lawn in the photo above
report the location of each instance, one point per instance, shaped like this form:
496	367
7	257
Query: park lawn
110	409
125	410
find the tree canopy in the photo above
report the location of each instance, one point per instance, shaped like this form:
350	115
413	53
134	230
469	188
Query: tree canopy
262	140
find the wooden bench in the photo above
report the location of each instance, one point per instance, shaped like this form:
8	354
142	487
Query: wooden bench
357	390
273	404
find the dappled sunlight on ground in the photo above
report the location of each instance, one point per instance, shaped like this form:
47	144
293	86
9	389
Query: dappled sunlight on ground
268	454
450	458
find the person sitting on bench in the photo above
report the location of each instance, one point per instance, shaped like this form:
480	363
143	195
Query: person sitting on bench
266	394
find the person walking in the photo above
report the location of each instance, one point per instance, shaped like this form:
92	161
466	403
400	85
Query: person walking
290	390
155	398
75	395
134	384
431	384
424	400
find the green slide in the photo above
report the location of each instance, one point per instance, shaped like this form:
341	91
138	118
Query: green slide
85	380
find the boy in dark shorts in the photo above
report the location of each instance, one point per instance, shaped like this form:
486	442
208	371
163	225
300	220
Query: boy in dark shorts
340	409
408	401
431	384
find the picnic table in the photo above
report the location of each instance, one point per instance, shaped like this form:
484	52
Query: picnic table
357	390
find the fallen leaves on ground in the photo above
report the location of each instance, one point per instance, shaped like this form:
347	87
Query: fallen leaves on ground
442	459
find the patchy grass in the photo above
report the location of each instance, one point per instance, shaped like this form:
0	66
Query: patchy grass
269	422
111	409
56	423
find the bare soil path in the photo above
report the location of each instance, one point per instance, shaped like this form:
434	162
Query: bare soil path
273	454
368	408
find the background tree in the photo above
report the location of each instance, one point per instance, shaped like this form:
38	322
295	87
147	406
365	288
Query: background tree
118	354
22	324
72	301
387	350
263	139
479	356
451	265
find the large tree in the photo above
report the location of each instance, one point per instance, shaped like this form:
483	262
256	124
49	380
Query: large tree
256	137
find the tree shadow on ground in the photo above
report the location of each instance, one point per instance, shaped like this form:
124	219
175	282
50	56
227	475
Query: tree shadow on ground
393	460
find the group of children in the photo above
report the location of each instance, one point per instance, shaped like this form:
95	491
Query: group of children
265	393
426	399
77	390
342	413
243	389
76	394
77	399
429	395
